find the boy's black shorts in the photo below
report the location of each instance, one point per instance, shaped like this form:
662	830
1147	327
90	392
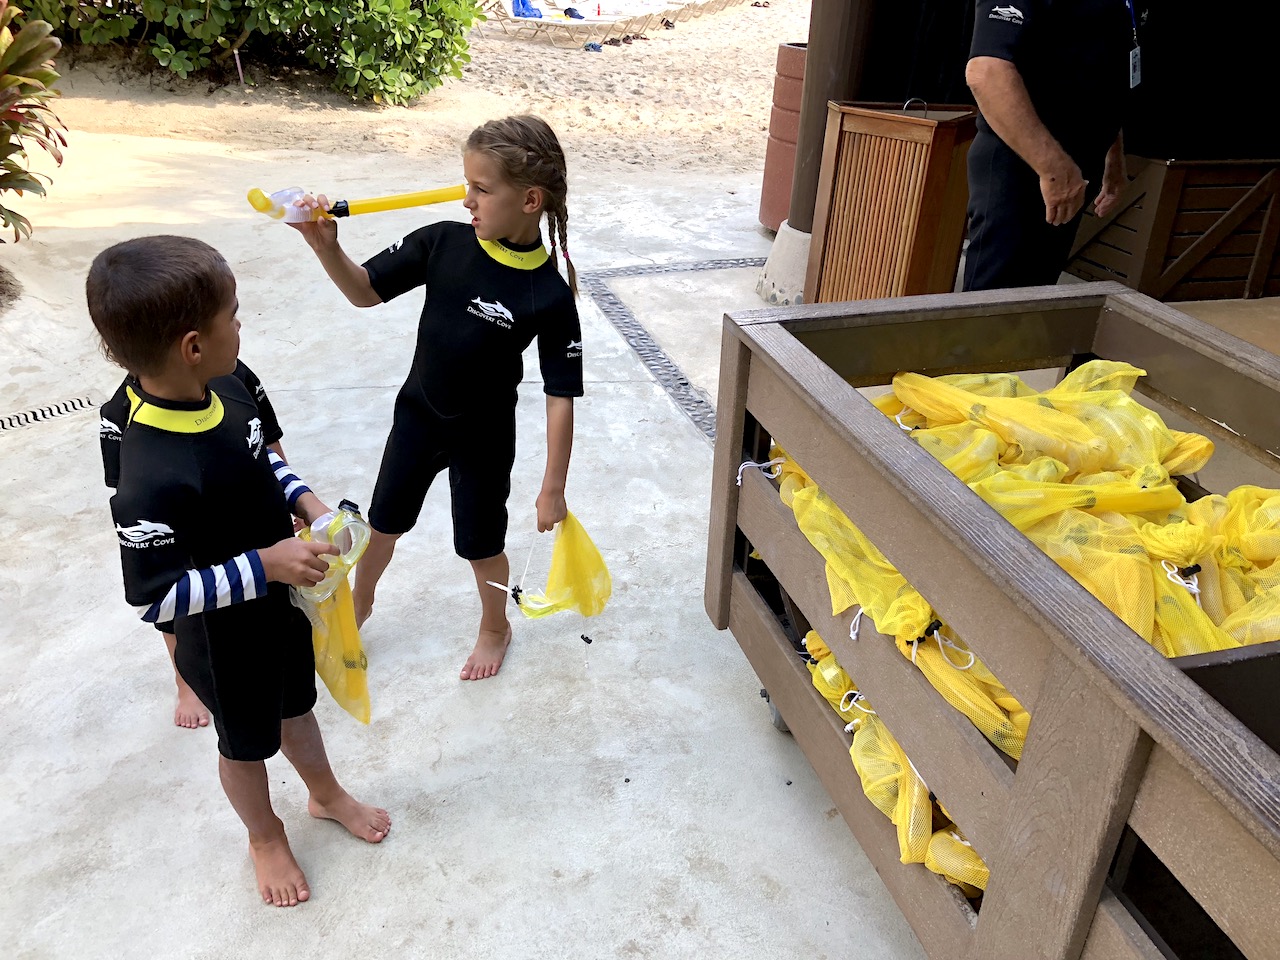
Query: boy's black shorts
252	665
479	449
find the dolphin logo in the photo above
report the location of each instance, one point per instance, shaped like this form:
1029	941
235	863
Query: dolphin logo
108	429
494	309
144	531
1012	14
575	344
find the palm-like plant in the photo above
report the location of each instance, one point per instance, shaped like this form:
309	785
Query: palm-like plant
26	80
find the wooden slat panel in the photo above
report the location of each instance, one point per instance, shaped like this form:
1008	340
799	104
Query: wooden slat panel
1228	872
1239	244
1209	290
957	762
1199	223
1005	305
1109	260
1213	198
731	405
1248	205
882	127
1225	173
1079	772
909	533
938	914
1115	935
1261	268
822	209
1219	268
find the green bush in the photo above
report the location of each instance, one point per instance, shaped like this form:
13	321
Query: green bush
383	50
26	79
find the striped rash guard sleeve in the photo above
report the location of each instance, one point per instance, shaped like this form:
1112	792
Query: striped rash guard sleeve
240	578
290	482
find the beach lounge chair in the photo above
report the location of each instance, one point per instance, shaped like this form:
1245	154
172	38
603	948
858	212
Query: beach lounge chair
555	26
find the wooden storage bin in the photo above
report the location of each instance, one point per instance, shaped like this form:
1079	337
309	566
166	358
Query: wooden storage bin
1188	230
892	192
1119	735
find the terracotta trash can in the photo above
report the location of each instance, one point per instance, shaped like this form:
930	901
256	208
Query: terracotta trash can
784	128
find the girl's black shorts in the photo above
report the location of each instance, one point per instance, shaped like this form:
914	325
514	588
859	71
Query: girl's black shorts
478	448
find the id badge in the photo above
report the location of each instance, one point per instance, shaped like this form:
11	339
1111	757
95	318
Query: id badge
1135	67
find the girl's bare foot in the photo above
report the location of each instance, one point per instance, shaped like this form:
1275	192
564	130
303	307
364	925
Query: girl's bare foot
189	711
280	879
486	658
363	608
362	820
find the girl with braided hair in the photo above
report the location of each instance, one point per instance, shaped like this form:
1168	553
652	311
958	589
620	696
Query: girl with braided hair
492	288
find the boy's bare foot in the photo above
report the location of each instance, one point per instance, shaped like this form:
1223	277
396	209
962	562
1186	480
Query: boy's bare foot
361	819
189	712
486	658
280	879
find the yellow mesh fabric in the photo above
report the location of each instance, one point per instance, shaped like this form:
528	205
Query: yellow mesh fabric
893	786
340	658
578	579
952	856
1084	471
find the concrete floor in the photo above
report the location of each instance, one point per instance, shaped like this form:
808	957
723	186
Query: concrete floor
626	799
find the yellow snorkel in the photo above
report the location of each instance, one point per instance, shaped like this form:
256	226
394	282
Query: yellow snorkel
280	205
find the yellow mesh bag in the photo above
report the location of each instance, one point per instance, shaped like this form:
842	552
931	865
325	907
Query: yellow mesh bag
857	573
340	658
1025	501
1030	423
893	786
952	856
967	450
830	680
578	579
966	683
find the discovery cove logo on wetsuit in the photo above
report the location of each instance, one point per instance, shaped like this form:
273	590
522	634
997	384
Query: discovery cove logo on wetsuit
145	533
1006	13
108	430
495	312
255	437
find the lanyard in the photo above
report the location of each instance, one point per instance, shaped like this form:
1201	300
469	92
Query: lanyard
1133	19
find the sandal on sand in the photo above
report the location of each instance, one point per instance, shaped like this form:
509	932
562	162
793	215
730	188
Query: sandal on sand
613	42
628	38
668	24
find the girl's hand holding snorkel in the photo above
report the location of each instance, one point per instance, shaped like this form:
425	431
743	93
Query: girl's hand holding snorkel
322	232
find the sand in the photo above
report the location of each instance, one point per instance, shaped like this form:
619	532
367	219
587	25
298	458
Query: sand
693	98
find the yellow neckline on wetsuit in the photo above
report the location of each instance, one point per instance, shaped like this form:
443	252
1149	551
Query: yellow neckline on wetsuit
175	421
520	259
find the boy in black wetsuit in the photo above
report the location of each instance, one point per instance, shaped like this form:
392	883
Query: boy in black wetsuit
202	512
188	712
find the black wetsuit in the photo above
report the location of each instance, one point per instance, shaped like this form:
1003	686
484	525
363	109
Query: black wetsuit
198	495
114	416
485	304
1073	57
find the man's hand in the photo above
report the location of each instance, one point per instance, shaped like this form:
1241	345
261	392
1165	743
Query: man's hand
322	233
1063	191
1114	179
296	562
551	509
